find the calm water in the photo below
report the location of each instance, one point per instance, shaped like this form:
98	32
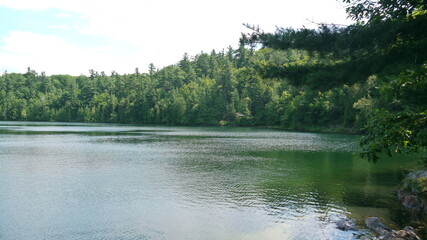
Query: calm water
100	181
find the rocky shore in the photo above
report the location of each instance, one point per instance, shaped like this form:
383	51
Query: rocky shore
384	232
413	195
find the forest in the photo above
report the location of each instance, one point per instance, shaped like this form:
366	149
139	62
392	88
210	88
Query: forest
224	88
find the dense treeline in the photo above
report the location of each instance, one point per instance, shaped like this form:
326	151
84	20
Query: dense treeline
225	88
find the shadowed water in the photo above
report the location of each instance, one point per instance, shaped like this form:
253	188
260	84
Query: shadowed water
101	181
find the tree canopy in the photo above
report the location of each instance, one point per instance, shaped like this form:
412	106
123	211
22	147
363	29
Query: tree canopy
219	88
388	42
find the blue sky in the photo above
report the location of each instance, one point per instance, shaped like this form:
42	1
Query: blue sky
73	36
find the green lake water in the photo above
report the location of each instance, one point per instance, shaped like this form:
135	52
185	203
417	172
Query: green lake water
104	181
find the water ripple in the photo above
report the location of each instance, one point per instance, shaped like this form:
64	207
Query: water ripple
90	181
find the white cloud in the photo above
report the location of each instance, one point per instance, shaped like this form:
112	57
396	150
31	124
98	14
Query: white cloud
64	27
56	56
64	15
162	31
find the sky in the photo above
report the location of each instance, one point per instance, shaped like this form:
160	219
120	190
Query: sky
73	36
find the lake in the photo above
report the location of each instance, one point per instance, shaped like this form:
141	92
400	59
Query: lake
109	181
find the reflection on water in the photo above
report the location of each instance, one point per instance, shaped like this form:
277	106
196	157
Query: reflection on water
101	181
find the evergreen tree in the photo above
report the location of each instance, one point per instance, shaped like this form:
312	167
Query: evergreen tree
389	40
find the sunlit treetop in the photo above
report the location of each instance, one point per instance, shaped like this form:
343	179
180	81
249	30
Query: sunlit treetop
389	36
383	9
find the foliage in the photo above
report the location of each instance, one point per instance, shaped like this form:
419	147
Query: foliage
400	126
388	43
224	88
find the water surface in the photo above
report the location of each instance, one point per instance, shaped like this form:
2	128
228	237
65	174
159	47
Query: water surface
104	181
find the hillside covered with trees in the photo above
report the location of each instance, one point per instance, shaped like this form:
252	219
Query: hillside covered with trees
224	88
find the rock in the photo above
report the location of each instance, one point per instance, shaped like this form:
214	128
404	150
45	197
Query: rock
407	233
417	174
386	233
375	225
346	225
410	201
414	178
408	228
412	193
